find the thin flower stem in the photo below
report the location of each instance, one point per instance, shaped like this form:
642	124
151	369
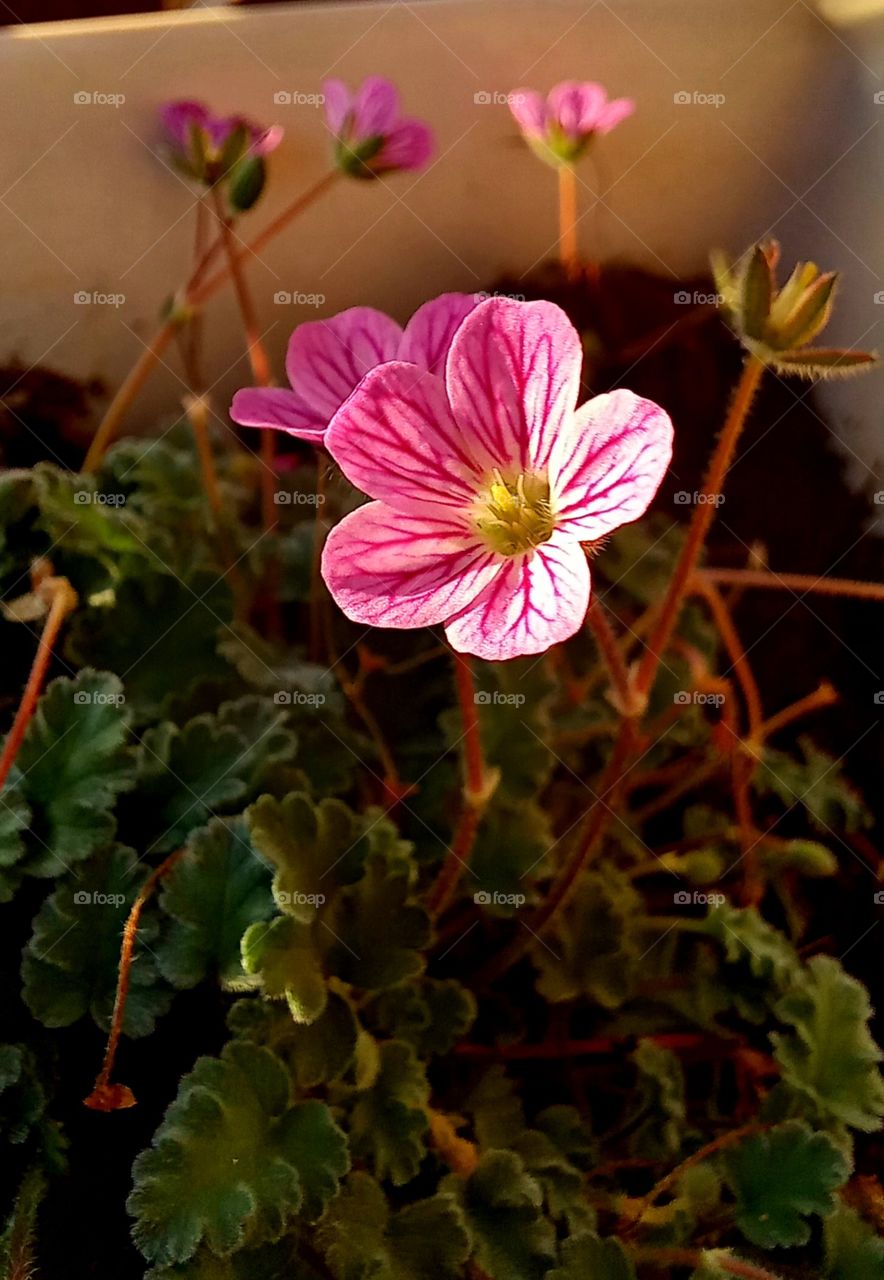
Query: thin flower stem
114	1097
197	292
825	696
612	657
63	601
704	513
478	788
568	255
317	587
724	622
794	582
197	414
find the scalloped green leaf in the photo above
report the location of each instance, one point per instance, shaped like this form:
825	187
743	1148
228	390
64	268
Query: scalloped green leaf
212	895
817	783
585	1255
852	1249
781	1177
432	1014
363	949
316	1053
661	1108
389	1119
283	956
234	1162
503	1209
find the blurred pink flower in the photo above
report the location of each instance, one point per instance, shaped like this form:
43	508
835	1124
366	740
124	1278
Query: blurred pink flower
560	127
371	136
486	481
327	359
205	145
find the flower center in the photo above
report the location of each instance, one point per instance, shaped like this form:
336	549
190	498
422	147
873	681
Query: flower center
515	515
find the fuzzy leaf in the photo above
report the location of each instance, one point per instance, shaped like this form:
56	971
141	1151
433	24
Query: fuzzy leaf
284	956
818	362
853	1250
496	1108
363	949
69	966
585	1255
73	764
389	1120
363	1240
15	818
660	1106
829	1008
431	1014
779	1178
316	1053
22	1096
233	1161
212	895
503	1204
817	783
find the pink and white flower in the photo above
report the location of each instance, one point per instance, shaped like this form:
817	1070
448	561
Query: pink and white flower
206	146
327	359
486	481
560	127
371	137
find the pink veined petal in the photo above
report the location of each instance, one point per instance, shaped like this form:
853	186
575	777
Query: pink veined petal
536	601
608	466
267	140
528	108
576	106
409	144
513	374
326	359
375	108
338	104
178	118
395	439
616	111
389	569
280	408
429	332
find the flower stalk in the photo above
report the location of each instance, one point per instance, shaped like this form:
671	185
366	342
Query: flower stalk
568	253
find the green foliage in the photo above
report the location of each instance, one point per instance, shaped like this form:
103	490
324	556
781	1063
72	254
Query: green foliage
234	1159
852	1250
586	1255
817	783
779	1178
388	1120
431	1014
502	1206
660	1106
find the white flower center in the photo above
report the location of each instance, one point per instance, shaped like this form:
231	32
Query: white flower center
514	515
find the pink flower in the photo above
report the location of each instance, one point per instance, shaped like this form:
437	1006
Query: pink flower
327	359
206	146
486	481
371	136
560	127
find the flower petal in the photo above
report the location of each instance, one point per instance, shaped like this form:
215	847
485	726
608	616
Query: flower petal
513	374
390	569
576	107
529	112
408	144
280	408
608	466
338	104
430	330
536	601
395	439
375	108
178	118
613	113
327	359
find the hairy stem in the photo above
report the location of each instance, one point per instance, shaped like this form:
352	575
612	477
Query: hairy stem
806	582
568	255
721	616
612	657
674	1257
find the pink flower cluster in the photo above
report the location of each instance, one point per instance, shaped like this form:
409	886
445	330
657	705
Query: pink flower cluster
560	127
371	137
485	477
205	145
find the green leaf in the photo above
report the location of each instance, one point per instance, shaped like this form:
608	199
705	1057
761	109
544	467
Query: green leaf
361	1238
431	1014
284	956
586	1257
779	1178
660	1110
817	783
512	842
563	1183
364	950
852	1249
389	1119
22	1096
233	1161
15	817
212	894
73	517
69	966
496	1109
829	1061
316	1053
765	961
756	290
73	763
596	947
502	1204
